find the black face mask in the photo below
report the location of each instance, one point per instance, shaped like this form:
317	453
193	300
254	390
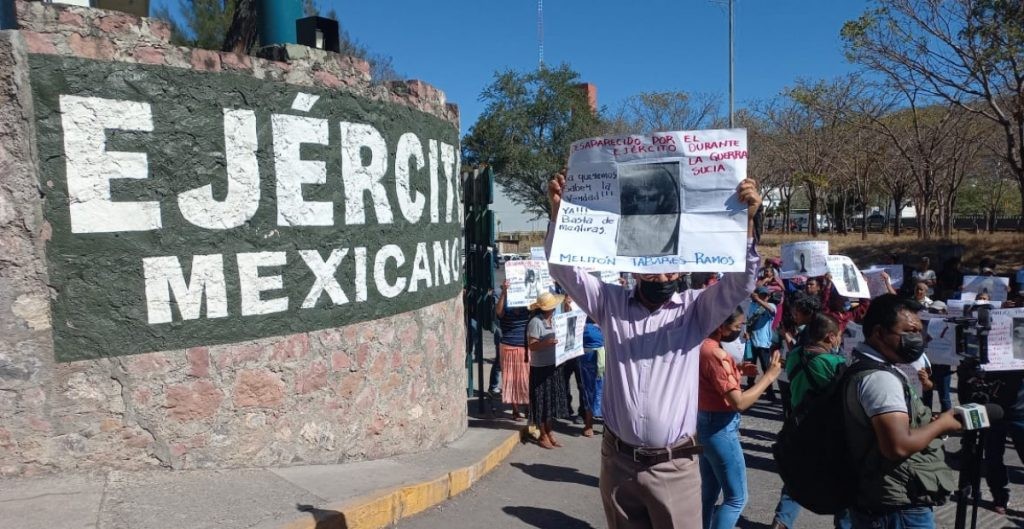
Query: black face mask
911	347
731	337
658	293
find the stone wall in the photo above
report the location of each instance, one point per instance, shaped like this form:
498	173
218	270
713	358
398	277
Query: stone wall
371	389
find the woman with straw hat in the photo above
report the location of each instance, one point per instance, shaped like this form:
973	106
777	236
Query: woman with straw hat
547	386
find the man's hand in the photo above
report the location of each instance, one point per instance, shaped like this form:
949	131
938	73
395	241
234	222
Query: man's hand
749	195
555	187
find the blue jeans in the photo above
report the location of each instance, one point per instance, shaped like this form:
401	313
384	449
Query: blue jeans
592	385
942	377
788	509
722	468
906	518
995	448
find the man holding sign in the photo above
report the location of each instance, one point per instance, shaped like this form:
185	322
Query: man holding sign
649	470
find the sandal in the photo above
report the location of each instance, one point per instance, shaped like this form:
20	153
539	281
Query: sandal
543	443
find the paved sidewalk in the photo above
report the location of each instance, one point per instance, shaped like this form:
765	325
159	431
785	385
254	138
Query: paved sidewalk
355	495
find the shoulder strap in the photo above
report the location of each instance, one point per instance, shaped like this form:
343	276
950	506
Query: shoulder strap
865	364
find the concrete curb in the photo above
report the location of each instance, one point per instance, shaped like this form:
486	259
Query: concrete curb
386	507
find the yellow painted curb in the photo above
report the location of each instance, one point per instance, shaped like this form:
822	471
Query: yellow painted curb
386	507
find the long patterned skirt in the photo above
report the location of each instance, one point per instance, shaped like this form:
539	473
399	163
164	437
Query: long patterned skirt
548	394
515	375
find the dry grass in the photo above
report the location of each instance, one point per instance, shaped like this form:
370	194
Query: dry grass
1007	248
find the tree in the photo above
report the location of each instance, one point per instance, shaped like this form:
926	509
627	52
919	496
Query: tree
230	25
526	129
968	53
663	111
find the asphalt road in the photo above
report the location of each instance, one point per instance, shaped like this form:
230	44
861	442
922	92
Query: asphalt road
557	489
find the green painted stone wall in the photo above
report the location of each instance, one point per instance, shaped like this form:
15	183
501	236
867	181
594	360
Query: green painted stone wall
99	296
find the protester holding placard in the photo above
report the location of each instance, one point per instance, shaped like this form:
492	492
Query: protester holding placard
547	384
720	401
512	355
649	473
839	307
759	329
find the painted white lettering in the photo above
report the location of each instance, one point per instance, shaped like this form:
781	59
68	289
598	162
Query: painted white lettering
165	277
252	284
290	132
411	202
243	199
91	167
420	268
360	274
388	290
449	168
325	280
359	178
442	269
434	214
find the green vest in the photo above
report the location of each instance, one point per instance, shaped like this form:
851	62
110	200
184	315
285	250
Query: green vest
920	480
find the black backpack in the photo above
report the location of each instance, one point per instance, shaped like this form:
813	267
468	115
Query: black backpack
811	450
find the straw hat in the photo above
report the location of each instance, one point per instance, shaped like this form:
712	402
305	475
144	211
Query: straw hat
547	301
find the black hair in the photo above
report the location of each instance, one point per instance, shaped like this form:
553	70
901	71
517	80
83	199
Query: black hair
885	311
804	302
737	313
820	326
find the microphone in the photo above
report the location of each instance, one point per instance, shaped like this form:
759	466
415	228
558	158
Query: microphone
978	416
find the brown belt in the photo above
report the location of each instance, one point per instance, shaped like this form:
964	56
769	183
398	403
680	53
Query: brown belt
653	456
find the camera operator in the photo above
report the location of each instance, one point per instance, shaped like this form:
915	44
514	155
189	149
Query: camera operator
890	431
1009	395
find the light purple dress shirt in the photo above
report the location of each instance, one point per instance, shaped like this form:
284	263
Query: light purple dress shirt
652	358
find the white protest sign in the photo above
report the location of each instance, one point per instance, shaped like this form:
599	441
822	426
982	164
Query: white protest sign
1006	340
804	258
526	280
606	276
940	338
661	202
955	308
998	288
876	284
537	253
895	274
569	333
847	278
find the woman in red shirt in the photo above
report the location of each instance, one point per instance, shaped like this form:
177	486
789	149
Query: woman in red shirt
720	399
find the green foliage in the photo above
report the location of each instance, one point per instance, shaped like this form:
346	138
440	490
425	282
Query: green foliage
526	130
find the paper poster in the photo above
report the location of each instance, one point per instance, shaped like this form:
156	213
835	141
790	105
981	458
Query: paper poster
655	203
537	253
804	258
847	278
940	338
895	273
852	336
569	333
876	284
997	287
1006	340
955	308
607	276
526	280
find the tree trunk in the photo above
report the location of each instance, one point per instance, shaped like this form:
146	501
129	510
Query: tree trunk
812	214
864	222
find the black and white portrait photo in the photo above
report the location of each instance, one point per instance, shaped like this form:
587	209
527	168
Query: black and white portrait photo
649	195
570	333
850	278
532	284
1018	338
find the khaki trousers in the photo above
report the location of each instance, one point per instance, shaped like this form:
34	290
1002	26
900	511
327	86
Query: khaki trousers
662	496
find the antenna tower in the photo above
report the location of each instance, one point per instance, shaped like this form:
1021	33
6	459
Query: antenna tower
540	32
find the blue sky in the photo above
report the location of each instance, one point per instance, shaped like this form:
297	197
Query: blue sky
622	47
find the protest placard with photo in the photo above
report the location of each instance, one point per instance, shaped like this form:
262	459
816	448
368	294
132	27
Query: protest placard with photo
998	288
526	280
804	258
895	273
847	278
655	203
569	333
1006	340
940	338
852	336
876	283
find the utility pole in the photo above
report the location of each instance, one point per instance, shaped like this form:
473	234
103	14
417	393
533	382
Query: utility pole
732	80
540	34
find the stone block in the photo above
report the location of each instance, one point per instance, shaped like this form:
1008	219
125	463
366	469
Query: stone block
148	55
259	388
205	60
312	379
198	361
191	402
99	48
